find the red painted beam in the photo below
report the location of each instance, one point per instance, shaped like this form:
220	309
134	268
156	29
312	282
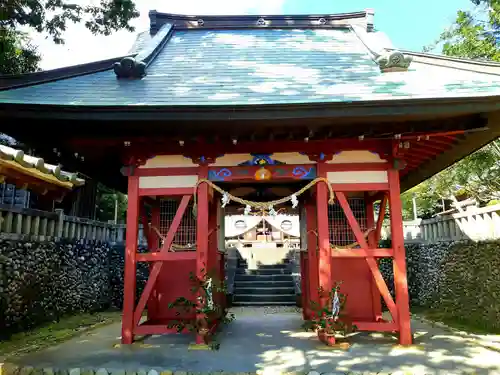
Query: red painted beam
376	326
362	253
376	186
351	167
154	192
165	256
175	171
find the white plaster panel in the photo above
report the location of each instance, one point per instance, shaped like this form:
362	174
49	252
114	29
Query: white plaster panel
152	182
169	161
230	160
357	177
292	158
361	156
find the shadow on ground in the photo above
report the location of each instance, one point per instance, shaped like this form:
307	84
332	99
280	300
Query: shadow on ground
273	342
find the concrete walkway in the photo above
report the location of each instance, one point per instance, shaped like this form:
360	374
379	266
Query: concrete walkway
272	343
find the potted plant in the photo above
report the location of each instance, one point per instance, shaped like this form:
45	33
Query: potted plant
207	308
329	320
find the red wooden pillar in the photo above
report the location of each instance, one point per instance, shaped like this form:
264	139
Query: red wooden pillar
202	222
154	245
130	260
373	243
312	255
213	262
325	268
304	286
399	261
212	231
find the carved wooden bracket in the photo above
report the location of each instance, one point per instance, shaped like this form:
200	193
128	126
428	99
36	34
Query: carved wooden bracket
320	157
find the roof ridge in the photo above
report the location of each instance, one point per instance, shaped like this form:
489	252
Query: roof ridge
29	79
180	21
358	14
485	67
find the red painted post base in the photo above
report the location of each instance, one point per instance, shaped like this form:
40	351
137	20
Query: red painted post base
326	338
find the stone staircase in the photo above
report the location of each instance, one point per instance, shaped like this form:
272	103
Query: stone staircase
268	285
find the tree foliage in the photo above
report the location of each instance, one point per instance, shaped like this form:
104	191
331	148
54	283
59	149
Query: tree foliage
475	34
476	176
52	17
107	199
17	54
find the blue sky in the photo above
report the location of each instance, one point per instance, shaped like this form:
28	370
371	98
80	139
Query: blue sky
409	24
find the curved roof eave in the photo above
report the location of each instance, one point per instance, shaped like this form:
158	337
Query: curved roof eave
452	106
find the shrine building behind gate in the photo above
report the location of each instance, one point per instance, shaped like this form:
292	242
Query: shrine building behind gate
206	104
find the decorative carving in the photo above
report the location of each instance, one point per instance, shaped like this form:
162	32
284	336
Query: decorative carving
394	61
304	173
219	175
321	157
261	159
129	68
203	160
263	174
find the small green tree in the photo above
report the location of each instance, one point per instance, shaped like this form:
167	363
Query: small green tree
107	200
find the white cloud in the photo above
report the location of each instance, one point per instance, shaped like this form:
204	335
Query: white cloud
81	46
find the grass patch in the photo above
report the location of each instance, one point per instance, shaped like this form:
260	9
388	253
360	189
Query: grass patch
54	333
453	322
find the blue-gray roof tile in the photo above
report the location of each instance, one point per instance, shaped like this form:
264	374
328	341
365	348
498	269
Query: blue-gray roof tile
261	66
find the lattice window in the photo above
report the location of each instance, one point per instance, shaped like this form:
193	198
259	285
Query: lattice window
186	234
341	233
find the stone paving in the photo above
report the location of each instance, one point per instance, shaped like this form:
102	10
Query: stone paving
267	341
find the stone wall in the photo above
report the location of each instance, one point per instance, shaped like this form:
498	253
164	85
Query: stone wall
42	281
461	280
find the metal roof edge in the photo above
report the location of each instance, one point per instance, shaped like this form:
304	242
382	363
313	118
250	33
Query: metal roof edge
8	82
147	54
485	67
393	107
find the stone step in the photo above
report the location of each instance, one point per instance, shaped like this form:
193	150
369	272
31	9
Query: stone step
264	284
238	290
272	266
264	298
264	271
262	278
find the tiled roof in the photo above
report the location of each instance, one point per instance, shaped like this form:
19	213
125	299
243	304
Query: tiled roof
36	167
230	66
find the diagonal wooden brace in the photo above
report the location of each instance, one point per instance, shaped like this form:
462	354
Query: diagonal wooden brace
370	260
155	271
